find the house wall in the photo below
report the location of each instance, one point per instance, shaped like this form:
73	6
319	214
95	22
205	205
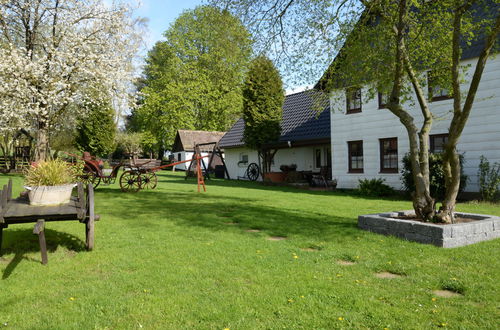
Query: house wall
481	135
186	155
302	156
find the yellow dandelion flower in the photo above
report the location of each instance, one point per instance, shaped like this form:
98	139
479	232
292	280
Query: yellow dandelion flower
356	257
295	257
72	298
434	299
302	297
226	328
340	318
290	300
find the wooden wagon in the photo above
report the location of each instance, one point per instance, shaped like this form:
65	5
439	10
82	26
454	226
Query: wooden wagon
17	211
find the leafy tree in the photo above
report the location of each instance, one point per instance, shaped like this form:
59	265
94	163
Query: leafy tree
96	130
263	98
51	51
387	45
193	79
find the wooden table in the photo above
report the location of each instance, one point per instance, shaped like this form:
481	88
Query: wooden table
80	208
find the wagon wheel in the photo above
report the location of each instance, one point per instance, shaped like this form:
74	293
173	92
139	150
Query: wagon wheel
89	177
253	172
130	181
149	180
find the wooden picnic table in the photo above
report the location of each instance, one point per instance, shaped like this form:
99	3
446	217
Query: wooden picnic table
80	208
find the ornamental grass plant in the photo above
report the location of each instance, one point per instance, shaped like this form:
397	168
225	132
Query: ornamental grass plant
52	173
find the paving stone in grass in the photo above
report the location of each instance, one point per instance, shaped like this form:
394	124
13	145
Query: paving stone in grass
446	293
387	275
276	238
310	249
345	262
253	230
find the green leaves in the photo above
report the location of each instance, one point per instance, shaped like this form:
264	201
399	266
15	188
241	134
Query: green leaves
193	80
96	130
263	99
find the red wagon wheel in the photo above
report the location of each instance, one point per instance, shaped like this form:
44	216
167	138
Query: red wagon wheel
89	177
149	180
130	181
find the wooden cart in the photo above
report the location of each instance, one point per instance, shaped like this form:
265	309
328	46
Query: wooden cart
80	208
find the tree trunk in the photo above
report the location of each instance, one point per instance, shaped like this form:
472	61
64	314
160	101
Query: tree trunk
423	203
267	156
451	161
42	141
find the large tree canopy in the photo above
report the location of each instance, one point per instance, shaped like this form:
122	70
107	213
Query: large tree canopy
52	52
193	79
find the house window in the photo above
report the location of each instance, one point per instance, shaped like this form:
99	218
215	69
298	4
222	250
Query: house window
355	156
383	100
436	92
317	158
243	159
179	157
353	100
437	142
389	155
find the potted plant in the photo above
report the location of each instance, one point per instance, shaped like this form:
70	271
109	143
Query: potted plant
51	182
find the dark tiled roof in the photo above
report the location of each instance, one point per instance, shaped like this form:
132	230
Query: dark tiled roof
301	120
186	139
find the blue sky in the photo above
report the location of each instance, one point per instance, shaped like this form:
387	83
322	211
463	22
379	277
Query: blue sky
161	13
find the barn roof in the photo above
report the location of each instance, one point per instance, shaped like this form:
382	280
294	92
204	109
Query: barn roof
306	118
185	140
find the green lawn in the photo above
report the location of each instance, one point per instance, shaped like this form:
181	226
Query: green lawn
177	259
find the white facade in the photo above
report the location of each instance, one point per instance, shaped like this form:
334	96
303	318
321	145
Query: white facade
187	155
309	158
481	135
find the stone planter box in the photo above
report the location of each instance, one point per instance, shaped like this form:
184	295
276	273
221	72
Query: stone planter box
487	227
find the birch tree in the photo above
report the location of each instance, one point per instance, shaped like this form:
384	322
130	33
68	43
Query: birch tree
53	51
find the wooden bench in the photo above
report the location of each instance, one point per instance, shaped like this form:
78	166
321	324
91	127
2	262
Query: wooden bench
17	211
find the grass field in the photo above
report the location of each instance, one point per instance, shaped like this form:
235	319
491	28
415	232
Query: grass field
172	258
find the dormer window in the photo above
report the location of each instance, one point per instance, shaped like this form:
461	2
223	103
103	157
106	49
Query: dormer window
353	100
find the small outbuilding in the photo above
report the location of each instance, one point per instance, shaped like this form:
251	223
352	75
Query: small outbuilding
185	142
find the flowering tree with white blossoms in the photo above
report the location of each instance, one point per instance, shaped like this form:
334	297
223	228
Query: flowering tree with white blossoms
53	52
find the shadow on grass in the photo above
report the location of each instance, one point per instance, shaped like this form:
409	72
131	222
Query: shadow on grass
218	213
22	241
172	178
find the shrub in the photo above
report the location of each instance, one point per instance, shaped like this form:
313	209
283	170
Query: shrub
374	188
436	175
489	179
52	173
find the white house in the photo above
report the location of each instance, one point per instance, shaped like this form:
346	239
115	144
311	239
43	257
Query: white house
368	141
304	140
185	141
